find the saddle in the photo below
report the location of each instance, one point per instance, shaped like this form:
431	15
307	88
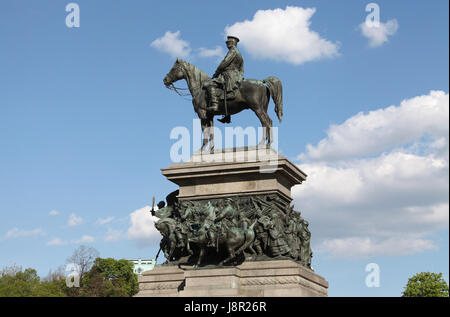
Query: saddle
230	94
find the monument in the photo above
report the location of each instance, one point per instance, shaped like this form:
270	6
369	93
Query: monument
230	228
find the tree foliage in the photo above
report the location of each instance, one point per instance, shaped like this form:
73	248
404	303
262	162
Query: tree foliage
98	277
14	282
426	284
110	278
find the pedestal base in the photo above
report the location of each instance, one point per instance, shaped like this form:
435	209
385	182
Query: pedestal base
277	278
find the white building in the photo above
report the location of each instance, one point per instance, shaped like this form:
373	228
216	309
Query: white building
141	265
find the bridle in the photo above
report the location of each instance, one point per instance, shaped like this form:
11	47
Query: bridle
171	79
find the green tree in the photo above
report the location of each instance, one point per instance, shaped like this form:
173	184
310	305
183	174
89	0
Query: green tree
110	278
426	284
17	283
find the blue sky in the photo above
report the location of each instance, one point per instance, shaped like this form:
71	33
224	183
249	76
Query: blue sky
85	123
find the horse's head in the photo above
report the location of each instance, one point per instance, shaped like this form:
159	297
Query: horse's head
175	74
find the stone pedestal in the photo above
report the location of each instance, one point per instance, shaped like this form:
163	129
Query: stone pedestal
161	282
277	278
235	172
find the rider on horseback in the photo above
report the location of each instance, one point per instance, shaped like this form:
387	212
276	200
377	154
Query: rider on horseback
208	228
228	76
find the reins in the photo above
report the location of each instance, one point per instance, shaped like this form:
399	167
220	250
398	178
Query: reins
171	86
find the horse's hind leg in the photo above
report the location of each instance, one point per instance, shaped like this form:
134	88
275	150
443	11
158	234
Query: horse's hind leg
265	123
258	113
231	256
269	136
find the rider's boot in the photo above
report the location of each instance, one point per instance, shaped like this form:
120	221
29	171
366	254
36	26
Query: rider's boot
214	105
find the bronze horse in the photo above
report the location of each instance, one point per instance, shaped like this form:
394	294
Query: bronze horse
235	240
253	94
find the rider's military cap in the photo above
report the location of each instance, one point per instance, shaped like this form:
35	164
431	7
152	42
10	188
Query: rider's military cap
231	38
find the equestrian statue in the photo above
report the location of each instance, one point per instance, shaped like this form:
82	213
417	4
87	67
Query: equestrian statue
228	93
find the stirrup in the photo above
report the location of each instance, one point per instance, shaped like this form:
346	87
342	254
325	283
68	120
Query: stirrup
225	119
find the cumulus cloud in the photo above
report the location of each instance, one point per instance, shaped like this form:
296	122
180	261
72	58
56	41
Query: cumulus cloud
378	34
104	221
113	235
369	247
74	220
84	239
56	242
20	233
142	228
378	184
54	213
384	129
218	52
283	35
172	44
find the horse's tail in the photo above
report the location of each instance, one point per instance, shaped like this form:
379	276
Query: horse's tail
276	91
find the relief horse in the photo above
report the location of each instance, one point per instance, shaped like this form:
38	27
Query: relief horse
235	240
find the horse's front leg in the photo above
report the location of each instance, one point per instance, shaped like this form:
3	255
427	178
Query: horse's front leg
188	246
200	256
270	137
211	135
172	249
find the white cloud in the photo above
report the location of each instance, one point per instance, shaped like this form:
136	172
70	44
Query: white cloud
84	239
369	247
56	242
283	35
378	184
54	213
218	51
172	43
378	35
74	220
384	129
142	228
113	235
20	233
104	221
